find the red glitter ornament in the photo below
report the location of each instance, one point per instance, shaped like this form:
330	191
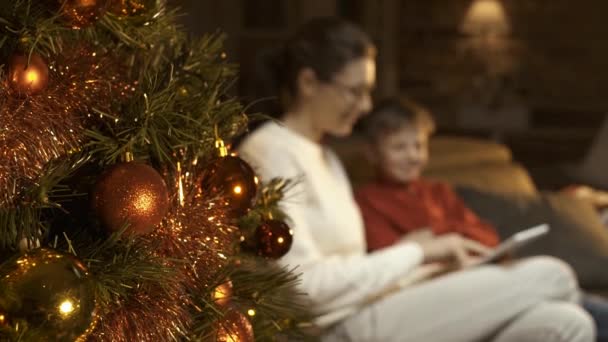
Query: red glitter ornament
273	239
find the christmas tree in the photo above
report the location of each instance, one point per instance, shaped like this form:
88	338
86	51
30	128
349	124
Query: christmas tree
124	216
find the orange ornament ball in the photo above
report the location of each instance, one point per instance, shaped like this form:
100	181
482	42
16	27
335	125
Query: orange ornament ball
83	13
234	327
127	7
27	76
132	194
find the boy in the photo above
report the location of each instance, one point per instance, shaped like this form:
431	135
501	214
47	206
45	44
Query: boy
400	202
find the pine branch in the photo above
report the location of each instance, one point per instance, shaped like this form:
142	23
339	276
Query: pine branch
267	205
25	221
150	28
281	312
122	268
159	121
270	291
17	224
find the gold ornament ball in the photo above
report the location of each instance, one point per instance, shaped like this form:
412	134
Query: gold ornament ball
131	193
234	327
82	13
28	77
50	294
273	238
233	180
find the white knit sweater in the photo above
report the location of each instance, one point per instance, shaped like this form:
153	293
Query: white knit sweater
329	241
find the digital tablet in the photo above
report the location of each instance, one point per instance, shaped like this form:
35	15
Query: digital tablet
515	242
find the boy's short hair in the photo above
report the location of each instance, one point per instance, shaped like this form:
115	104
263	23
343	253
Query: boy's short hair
392	114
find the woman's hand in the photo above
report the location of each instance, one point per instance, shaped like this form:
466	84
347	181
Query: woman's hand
452	248
419	235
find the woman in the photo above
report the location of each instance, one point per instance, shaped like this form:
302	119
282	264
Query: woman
325	74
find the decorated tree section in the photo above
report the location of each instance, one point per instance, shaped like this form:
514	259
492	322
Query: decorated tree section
124	216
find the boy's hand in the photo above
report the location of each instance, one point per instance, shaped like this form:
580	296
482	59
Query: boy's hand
597	198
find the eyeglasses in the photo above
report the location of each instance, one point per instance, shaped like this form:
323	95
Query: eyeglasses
357	92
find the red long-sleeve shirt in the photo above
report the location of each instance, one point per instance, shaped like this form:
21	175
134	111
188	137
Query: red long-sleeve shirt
392	210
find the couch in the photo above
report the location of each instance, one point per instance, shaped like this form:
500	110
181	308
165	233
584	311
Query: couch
502	192
473	162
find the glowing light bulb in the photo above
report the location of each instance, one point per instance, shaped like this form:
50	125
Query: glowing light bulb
251	312
222	293
31	76
237	190
66	307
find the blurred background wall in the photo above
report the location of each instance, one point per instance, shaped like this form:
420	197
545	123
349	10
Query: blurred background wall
528	73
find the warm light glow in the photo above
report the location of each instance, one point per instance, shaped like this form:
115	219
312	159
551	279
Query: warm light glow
2	318
144	202
251	312
237	190
486	17
219	293
32	76
222	293
280	240
180	185
232	338
66	307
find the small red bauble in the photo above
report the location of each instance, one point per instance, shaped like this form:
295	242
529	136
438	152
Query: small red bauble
273	239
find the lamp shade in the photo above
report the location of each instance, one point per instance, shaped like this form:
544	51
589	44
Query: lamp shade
486	17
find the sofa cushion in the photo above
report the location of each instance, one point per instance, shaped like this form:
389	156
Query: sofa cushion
449	152
492	177
577	236
455	159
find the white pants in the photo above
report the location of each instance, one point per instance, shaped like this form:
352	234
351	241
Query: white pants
533	300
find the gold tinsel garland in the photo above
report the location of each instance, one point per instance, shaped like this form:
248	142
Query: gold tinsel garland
39	128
